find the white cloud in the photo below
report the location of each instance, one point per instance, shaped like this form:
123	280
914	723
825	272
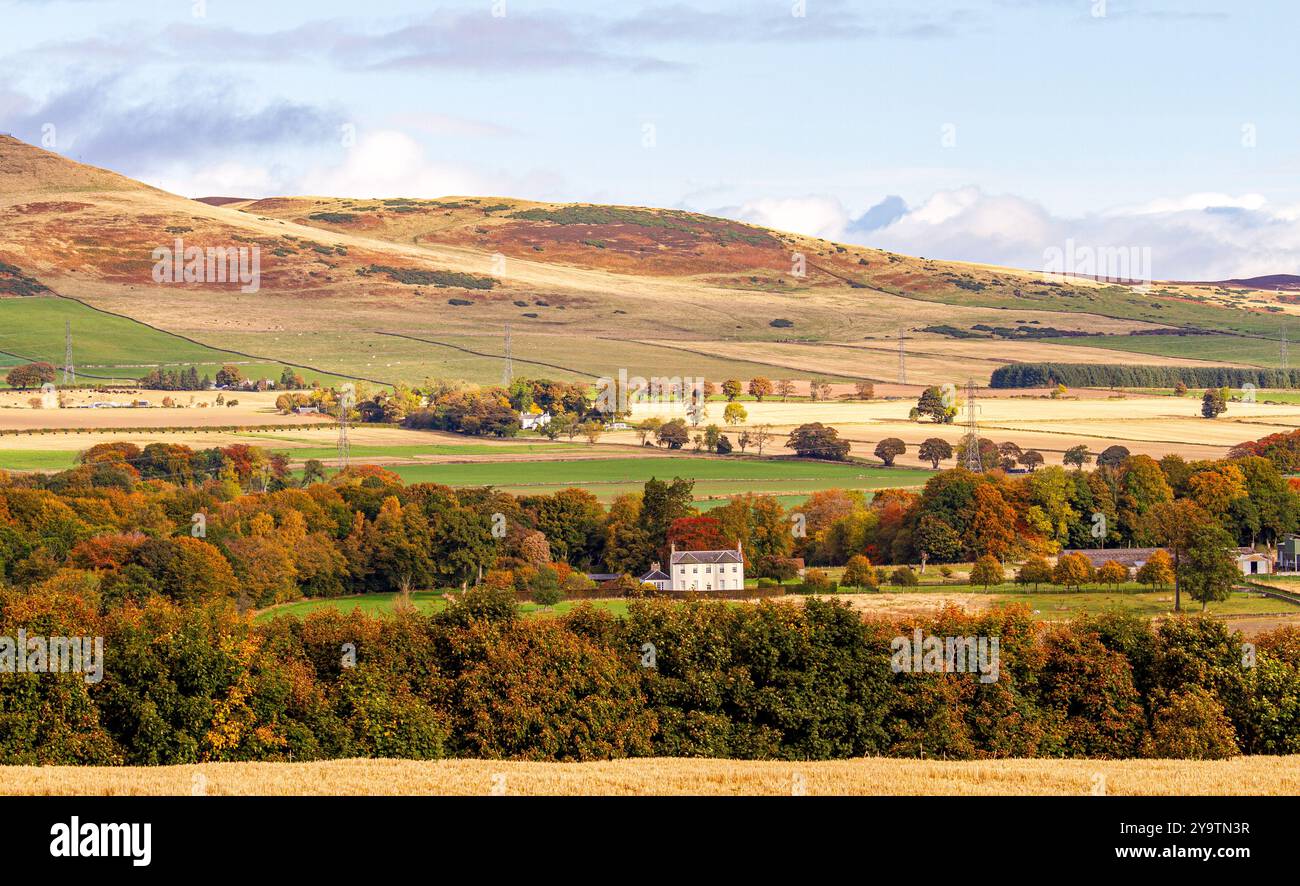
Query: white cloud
1191	237
813	216
388	163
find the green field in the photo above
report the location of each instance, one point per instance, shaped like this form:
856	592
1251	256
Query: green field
444	449
37	459
1114	301
424	601
106	346
713	476
1214	348
478	358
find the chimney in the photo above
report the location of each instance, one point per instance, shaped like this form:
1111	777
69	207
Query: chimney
654	567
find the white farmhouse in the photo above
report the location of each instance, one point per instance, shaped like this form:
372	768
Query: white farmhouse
530	421
700	571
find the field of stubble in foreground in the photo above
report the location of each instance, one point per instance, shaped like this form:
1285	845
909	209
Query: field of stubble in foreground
1243	775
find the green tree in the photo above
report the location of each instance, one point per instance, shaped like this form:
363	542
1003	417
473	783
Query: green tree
1209	569
931	405
1077	456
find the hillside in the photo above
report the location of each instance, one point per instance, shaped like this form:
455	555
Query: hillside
398	289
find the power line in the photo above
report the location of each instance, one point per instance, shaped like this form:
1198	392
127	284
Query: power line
973	460
508	370
69	371
902	359
346	399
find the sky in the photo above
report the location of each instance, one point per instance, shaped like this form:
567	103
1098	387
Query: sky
975	130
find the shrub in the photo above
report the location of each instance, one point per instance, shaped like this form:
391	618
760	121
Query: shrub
1191	725
904	577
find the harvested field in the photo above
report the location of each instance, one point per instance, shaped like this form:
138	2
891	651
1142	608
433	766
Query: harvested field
665	776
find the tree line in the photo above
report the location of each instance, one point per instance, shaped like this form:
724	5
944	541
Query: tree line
185	684
1097	375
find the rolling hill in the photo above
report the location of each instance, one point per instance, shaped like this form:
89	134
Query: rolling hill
397	289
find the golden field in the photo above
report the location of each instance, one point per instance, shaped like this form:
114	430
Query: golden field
1151	425
664	776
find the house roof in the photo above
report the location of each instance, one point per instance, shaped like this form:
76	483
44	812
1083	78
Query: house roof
1134	556
1122	556
602	576
655	575
680	557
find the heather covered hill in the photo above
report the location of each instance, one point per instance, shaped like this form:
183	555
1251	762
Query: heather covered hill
653	290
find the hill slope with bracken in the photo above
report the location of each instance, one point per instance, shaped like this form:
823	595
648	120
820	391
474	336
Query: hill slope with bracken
652	290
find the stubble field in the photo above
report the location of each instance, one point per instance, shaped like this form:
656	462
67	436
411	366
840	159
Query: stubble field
1241	776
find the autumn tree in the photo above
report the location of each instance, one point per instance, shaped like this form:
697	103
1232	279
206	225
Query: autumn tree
1072	571
890	448
734	414
229	377
1173	524
816	440
760	387
1031	459
987	571
1157	571
1112	573
30	375
859	573
731	389
1034	571
1213	403
673	434
935	450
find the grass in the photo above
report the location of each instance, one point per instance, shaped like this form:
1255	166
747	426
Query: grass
38	459
713	476
1215	348
425	601
1247	776
106	346
445	449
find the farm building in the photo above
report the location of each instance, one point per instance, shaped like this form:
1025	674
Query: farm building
1249	561
1288	554
700	571
657	577
530	421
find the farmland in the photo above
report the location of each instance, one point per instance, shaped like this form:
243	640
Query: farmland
1246	776
712	476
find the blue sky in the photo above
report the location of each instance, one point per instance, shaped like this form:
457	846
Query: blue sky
983	131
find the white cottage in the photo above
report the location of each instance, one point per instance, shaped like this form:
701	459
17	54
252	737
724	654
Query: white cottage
701	571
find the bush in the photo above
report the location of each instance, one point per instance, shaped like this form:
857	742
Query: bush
904	577
1191	725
